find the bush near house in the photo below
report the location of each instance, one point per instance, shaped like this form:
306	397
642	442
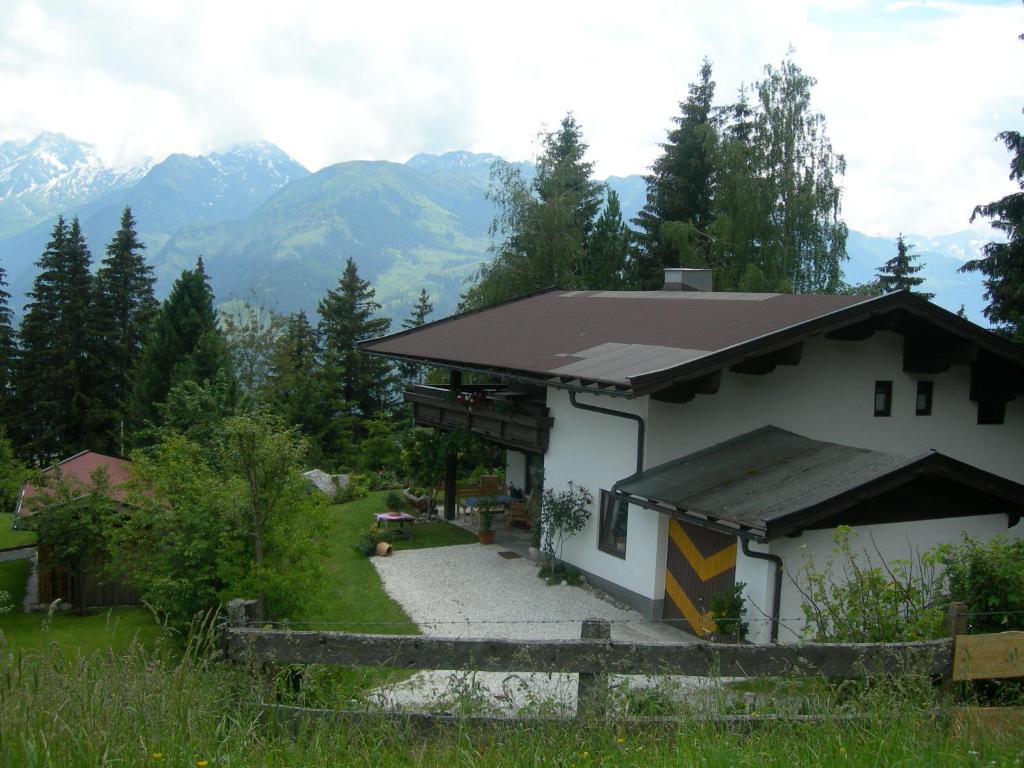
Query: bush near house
857	598
989	578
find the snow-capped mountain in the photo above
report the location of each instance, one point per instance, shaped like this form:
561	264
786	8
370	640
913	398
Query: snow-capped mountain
50	173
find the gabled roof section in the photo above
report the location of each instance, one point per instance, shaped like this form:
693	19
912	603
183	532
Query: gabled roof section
770	482
79	469
644	342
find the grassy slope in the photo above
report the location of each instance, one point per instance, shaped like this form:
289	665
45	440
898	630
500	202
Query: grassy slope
12	538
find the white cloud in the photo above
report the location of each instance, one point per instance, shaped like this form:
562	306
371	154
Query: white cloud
914	91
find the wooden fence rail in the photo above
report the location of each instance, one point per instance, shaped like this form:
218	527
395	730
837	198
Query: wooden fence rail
595	655
590	656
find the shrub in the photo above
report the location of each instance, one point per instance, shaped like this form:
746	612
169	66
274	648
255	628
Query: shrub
393	500
563	515
989	578
853	600
356	488
369	539
728	609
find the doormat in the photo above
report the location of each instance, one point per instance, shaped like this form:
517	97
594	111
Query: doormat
510	555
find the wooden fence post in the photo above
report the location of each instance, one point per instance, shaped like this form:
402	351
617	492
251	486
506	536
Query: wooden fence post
592	689
956	619
956	624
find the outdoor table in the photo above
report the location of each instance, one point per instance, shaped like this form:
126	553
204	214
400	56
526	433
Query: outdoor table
397	523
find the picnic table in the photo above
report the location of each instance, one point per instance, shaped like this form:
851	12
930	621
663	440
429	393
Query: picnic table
396	523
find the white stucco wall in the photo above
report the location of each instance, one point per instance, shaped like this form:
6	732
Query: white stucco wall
595	450
830	396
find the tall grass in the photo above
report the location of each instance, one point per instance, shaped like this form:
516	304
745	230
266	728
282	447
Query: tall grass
148	707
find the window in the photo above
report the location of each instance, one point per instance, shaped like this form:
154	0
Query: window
924	398
883	398
991	412
611	536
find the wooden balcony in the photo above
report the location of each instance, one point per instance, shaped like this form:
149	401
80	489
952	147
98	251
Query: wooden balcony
498	417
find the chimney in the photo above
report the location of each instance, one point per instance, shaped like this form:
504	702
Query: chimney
686	279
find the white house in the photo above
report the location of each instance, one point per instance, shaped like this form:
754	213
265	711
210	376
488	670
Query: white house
724	436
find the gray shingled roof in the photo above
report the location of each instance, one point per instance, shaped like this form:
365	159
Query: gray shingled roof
761	477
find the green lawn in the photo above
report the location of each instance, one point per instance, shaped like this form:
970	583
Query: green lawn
353	598
10	537
112	628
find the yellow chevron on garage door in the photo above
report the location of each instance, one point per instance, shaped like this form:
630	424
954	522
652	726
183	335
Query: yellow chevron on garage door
705	567
700	564
700	623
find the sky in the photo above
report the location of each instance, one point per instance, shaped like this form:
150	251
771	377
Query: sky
913	92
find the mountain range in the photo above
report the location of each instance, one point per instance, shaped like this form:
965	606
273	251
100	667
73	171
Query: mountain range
277	235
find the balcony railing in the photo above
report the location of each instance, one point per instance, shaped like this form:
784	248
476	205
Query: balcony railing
496	414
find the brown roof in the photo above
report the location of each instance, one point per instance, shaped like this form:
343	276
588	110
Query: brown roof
636	342
79	469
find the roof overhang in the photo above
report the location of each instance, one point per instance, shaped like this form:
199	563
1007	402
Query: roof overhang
936	339
770	483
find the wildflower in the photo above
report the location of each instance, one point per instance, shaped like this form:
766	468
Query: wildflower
584	754
621	740
202	763
157	755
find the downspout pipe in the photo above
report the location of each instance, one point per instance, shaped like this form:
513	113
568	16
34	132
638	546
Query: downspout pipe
641	427
776	591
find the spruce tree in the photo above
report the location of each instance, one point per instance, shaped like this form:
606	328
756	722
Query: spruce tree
125	310
185	344
56	377
605	266
411	373
899	272
296	388
680	189
541	232
361	384
8	349
1002	263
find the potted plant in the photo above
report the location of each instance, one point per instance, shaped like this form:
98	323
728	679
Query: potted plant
486	533
394	502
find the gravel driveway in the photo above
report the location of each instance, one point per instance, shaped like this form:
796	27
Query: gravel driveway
471	591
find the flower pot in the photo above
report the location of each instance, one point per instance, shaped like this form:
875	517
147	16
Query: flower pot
485	537
384	549
534	554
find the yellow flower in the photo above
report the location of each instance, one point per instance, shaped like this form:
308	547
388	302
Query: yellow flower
157	755
584	754
202	763
621	740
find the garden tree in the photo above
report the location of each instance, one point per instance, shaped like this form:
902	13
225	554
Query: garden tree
58	412
8	349
124	311
381	449
900	272
295	387
605	266
411	373
1003	262
179	520
541	231
859	289
207	523
184	345
72	522
282	523
680	190
197	409
360	385
250	334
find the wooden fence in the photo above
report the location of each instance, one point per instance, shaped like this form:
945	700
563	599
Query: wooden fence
595	655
